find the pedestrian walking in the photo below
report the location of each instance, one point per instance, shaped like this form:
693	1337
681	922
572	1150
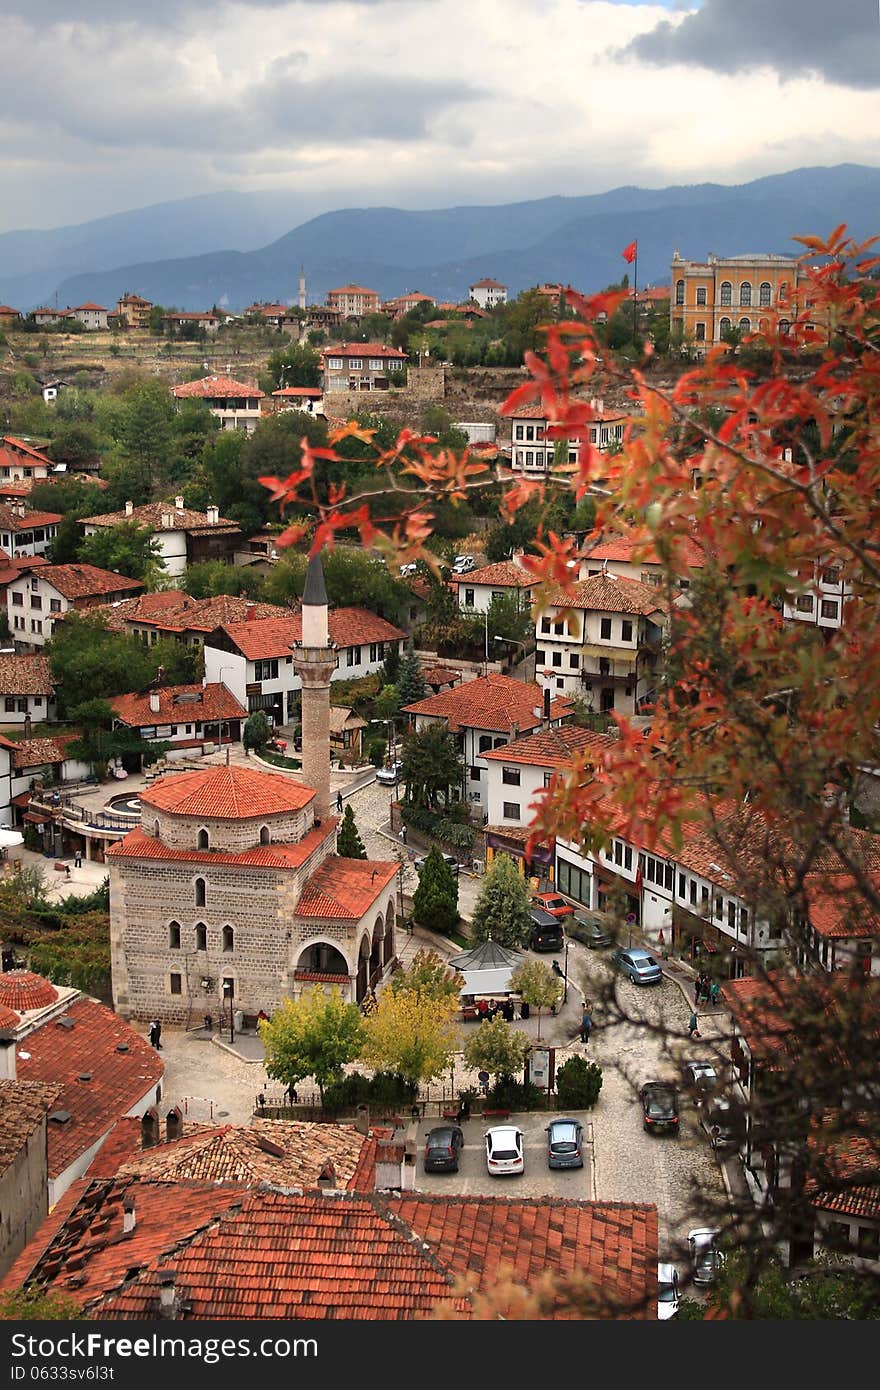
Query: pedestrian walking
714	991
339	802
158	1036
403	833
154	1037
77	859
693	1029
292	1097
586	1026
261	1102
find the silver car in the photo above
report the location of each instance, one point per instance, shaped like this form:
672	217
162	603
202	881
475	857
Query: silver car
565	1139
641	967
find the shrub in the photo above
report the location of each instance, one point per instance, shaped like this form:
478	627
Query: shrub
384	1091
509	1094
578	1083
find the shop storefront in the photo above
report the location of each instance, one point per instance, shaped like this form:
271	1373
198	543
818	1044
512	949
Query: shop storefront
534	863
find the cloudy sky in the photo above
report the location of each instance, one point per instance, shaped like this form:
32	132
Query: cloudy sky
108	104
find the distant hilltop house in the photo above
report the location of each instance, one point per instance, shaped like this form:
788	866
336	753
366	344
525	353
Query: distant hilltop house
360	366
181	321
277	315
748	294
320	318
133	311
235	404
307	398
354	301
184	536
9	318
488	293
531	451
405	303
93	316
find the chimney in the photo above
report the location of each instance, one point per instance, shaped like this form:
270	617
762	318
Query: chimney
168	521
167	1294
173	1124
149	1128
213	515
129	1216
129	508
178	502
154	702
362	1119
327	1176
547	706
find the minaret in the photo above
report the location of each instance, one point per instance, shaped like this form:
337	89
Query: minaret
302	287
315	659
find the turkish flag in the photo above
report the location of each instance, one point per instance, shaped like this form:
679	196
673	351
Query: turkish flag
631	251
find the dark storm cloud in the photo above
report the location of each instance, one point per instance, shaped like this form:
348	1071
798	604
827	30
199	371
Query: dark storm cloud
839	41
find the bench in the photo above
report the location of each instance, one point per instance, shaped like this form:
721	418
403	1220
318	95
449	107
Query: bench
496	1114
450	1115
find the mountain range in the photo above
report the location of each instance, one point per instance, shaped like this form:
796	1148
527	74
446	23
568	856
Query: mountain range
169	252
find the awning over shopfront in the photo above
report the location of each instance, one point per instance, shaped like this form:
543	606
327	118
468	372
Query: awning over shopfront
33	819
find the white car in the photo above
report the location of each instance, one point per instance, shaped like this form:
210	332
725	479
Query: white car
389	776
463	563
668	1295
406	571
504	1150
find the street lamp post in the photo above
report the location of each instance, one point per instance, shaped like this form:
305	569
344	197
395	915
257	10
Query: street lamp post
565	991
228	993
512	641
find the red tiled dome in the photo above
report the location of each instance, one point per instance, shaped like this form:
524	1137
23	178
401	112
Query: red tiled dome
8	1017
227	793
22	990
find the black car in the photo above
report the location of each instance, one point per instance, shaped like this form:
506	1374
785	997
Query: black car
547	934
660	1107
442	1146
593	929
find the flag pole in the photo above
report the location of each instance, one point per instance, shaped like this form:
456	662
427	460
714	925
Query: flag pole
635	294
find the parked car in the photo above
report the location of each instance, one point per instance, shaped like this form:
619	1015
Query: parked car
504	1150
450	859
593	929
552	903
547	933
565	1139
701	1079
724	1123
406	571
659	1107
706	1258
443	1144
639	965
462	564
389	775
668	1295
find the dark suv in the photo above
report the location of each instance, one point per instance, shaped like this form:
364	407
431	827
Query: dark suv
659	1107
547	934
443	1145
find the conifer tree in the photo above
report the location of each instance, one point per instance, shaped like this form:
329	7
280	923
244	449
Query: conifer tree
349	844
435	901
502	910
410	682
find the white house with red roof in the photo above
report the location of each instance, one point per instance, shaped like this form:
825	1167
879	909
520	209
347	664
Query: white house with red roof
256	656
633	557
101	1067
360	366
206	321
478	588
25	533
600	639
34	601
188	717
532	451
236	404
183	535
90	315
309	399
230	892
20	462
485	714
488	293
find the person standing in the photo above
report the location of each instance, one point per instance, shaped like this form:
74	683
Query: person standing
154	1035
693	1029
158	1036
77	859
403	833
339	802
586	1026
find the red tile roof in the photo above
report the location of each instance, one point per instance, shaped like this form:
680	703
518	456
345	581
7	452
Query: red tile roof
151	514
299	391
345	889
118	1080
23	1105
362	350
86	581
34	752
211	387
22	990
608	593
249	1255
849	1164
11	520
25	675
837	908
264	638
227	793
488	285
490	702
551	747
505	574
766	1010
8	1019
137	845
351	289
122	1143
177	612
178	704
632	550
